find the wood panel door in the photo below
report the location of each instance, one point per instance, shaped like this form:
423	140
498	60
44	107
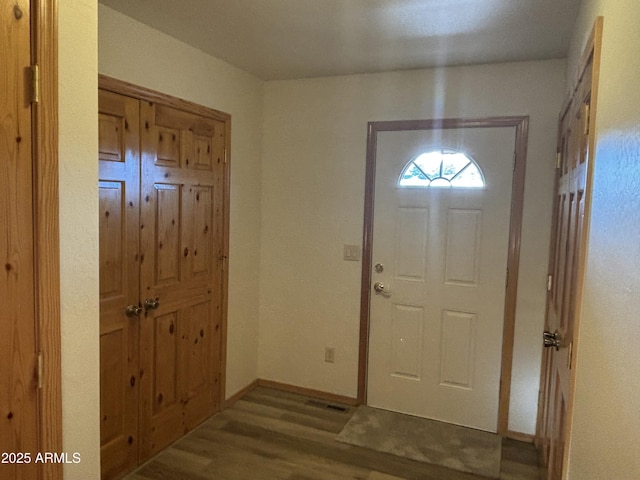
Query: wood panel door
119	207
181	271
30	394
565	276
18	382
163	211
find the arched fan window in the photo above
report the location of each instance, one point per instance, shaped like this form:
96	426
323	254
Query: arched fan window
442	168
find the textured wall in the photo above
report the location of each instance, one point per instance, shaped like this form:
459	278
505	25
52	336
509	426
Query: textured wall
78	128
312	203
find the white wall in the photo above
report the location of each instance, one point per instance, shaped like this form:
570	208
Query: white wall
606	418
78	144
312	203
134	52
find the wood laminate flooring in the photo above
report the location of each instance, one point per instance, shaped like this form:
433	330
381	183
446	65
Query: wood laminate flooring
271	434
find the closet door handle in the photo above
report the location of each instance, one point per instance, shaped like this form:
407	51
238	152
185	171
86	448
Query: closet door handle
151	304
133	310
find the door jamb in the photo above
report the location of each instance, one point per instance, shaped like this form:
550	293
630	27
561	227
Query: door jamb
521	124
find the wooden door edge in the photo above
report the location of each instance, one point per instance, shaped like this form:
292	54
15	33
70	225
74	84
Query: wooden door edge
46	230
521	124
592	54
225	252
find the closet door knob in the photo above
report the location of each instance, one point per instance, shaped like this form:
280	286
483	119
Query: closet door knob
133	310
151	304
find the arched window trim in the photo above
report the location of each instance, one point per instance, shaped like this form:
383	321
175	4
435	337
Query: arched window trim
440	177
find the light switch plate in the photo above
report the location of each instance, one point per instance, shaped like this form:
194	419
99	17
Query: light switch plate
352	253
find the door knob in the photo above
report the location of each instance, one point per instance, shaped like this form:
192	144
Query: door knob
380	287
151	304
133	310
551	340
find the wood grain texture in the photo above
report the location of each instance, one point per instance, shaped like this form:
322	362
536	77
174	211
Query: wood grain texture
119	204
181	248
272	434
29	133
18	382
164	203
46	233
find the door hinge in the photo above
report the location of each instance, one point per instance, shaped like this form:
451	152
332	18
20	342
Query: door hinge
587	113
35	83
226	155
558	159
549	282
40	372
224	259
570	355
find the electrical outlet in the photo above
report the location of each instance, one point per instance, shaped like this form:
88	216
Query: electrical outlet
329	354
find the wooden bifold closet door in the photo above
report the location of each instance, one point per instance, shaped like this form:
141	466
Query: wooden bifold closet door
163	204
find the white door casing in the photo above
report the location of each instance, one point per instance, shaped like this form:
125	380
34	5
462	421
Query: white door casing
435	338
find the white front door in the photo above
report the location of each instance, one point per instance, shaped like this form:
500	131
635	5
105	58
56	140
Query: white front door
440	253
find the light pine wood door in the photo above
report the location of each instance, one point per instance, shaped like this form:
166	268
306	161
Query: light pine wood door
566	270
162	256
119	193
182	260
18	382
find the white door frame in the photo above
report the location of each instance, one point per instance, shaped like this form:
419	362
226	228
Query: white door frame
521	125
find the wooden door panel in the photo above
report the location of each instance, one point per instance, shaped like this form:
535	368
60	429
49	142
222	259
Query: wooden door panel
112	372
166	241
119	264
567	259
181	216
200	264
203	153
168	147
166	334
197	334
162	237
111	197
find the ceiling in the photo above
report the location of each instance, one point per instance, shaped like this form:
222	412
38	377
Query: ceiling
284	39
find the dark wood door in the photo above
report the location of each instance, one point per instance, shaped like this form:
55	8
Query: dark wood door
119	192
565	284
18	348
